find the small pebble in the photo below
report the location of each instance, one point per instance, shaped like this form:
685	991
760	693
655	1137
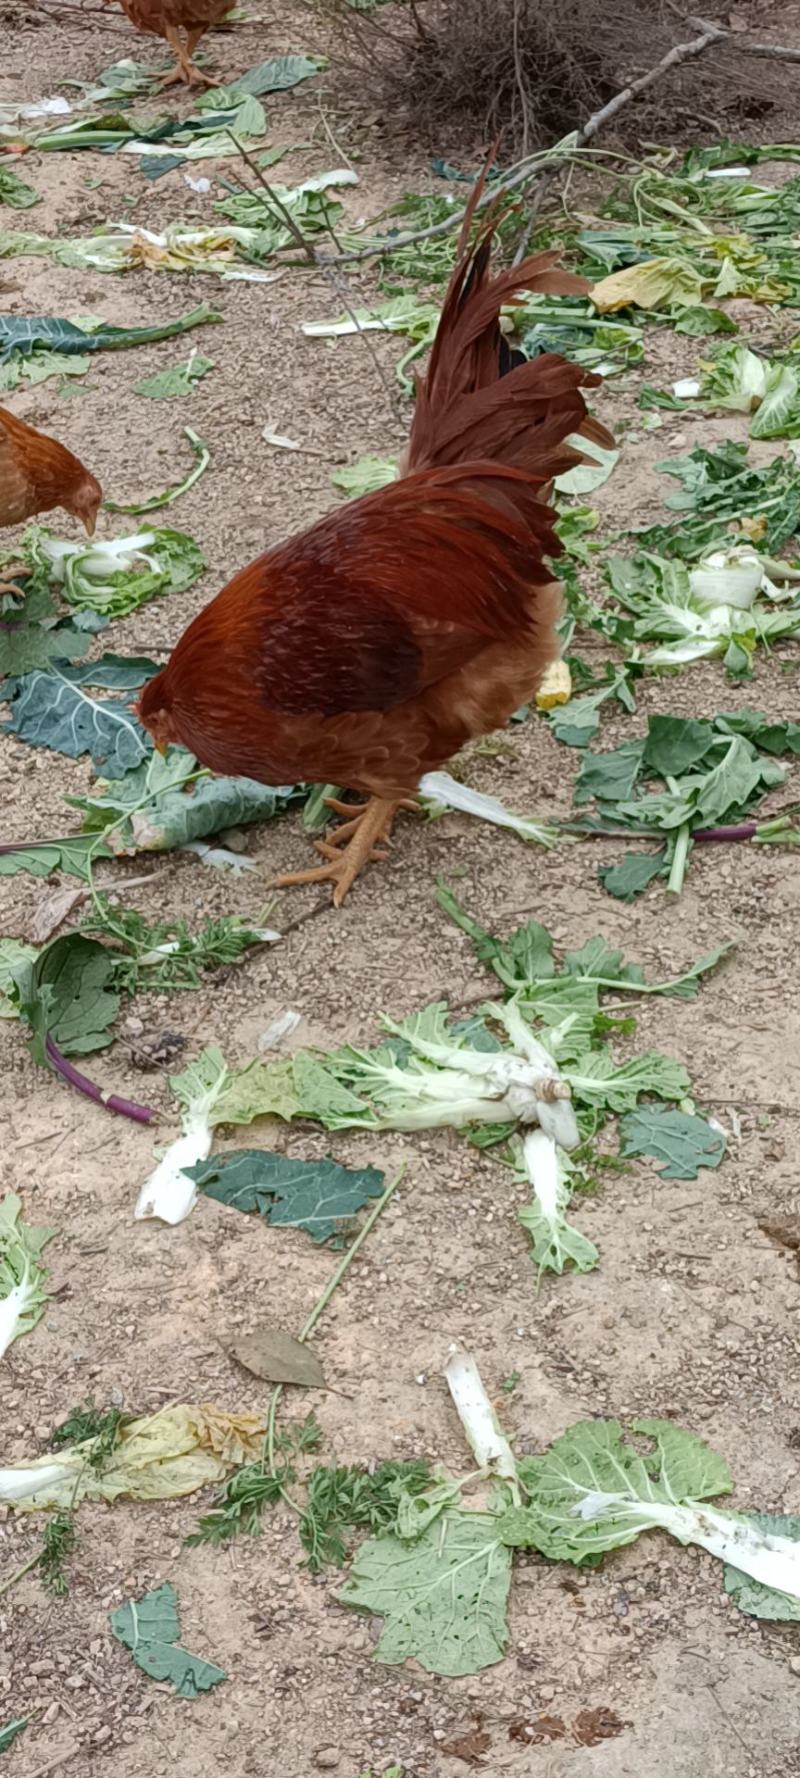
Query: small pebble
326	1758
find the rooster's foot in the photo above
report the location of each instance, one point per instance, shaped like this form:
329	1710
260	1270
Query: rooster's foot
11	588
360	839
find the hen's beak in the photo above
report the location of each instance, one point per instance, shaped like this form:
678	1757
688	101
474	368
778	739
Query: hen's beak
90	525
161	747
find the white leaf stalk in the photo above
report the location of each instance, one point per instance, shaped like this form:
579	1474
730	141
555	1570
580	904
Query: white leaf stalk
169	1195
22	1296
21	1301
555	1241
771	1560
525	1086
441	792
25	1484
554	1112
482	1429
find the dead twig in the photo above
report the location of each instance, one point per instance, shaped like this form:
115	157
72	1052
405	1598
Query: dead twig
323	263
773	52
59	1759
528	170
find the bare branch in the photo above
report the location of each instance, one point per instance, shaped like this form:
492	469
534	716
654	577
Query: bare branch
325	264
531	168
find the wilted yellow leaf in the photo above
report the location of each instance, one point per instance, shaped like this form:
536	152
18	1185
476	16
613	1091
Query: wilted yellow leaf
654	284
170	1453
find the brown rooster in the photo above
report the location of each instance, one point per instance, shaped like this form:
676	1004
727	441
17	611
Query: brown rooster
168	18
369	649
37	474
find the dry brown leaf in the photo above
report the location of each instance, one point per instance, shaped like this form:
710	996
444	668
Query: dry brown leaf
783	1230
469	1747
52	912
277	1357
544	1728
600	1724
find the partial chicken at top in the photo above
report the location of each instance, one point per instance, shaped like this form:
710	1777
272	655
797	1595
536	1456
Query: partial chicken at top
369	649
169	19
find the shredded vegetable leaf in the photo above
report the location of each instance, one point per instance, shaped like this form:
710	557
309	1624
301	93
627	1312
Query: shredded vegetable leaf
10	1730
682	1143
443	1597
14	191
65	995
21	335
752	1596
22	1296
150	1628
52	710
181	379
115	577
15	958
317	1196
634	873
365	476
592	1492
555	1243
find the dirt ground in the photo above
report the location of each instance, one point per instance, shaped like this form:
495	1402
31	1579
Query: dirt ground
692	1313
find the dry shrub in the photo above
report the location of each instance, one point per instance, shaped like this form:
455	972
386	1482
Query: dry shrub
535	69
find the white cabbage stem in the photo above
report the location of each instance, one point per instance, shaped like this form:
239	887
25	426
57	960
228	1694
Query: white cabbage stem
482	1429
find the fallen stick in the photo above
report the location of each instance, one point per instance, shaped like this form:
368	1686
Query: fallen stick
681	52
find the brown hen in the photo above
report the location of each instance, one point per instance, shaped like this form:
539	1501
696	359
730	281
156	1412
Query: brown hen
168	18
369	649
37	474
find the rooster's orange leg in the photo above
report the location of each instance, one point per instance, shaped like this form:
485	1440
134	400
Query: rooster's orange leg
178	73
192	75
360	838
11	588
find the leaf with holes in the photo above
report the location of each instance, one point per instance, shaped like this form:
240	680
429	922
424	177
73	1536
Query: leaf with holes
443	1597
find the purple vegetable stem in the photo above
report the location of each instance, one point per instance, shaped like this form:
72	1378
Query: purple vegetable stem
141	1114
745	832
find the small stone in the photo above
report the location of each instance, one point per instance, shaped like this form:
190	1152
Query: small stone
134	1026
794	1664
42	1668
326	1758
102	1734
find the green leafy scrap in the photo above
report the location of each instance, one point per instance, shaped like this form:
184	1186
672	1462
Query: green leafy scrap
11	1730
22	335
634	873
682	1142
66	995
15	958
317	1196
32	632
14	191
443	1597
752	1596
149	1627
181	379
73	855
592	1492
53	709
167	803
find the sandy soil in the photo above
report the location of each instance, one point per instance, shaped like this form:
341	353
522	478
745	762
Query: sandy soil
692	1313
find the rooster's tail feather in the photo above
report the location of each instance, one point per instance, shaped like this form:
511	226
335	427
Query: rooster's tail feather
480	399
